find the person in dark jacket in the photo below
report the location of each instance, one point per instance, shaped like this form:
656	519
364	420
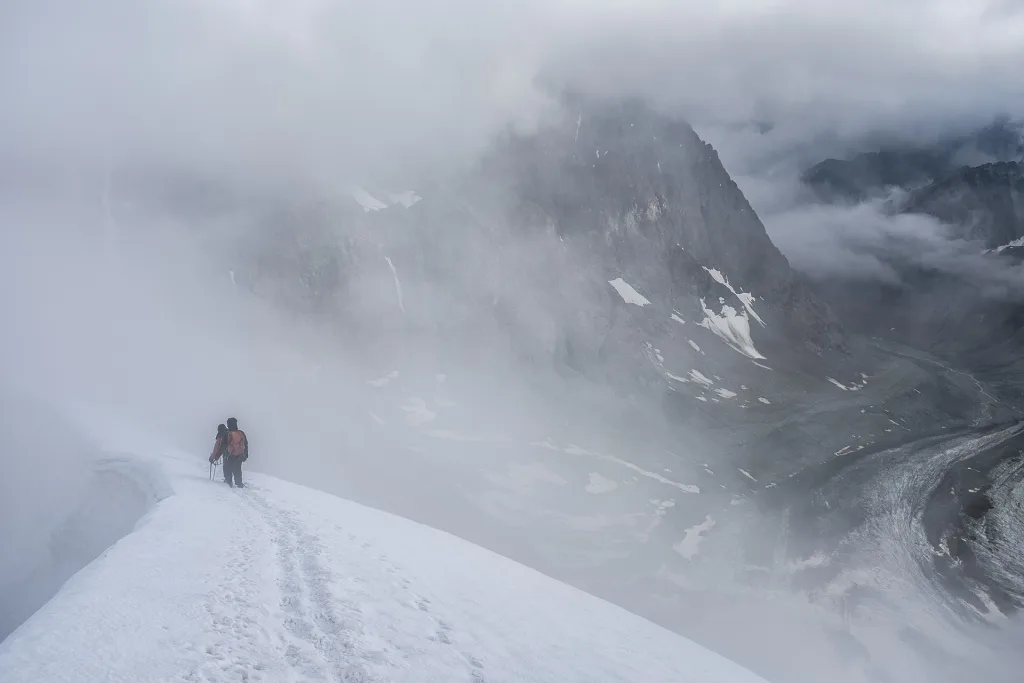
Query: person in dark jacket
220	444
236	446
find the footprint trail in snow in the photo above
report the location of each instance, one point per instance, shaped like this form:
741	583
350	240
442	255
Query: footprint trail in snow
316	627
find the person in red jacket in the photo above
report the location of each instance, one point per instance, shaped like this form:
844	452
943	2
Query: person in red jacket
236	451
220	444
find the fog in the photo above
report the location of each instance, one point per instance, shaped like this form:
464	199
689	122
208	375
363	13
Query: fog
318	90
171	172
869	241
141	343
310	93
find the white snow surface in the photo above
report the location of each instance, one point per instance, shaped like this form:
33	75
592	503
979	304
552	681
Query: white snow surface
1019	242
628	294
731	327
838	384
279	582
688	547
745	298
398	285
366	200
406	198
699	378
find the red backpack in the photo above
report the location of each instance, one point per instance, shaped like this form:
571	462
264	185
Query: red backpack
237	444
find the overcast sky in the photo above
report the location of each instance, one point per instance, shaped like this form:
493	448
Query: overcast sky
323	86
844	66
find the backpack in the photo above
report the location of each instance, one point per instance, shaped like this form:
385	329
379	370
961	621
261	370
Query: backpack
236	443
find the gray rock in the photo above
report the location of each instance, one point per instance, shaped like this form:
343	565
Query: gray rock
985	203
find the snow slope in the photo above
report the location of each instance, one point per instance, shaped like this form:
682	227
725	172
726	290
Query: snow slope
279	582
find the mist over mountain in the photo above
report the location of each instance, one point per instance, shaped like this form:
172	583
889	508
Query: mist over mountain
912	166
947	219
985	201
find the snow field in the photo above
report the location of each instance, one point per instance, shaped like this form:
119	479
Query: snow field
278	582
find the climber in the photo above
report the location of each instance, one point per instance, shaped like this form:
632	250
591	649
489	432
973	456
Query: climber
219	444
236	448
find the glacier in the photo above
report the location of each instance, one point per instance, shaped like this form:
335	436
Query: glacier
280	582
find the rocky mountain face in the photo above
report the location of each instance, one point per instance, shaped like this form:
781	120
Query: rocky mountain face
868	174
985	203
610	245
643	195
872	173
961	311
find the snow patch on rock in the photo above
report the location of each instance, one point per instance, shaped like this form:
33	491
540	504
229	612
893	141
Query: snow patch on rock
692	537
628	294
745	298
1019	242
366	200
696	376
731	327
838	384
398	285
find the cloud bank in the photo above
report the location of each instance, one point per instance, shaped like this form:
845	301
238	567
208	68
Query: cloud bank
317	90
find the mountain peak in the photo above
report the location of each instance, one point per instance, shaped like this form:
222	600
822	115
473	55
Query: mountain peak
643	191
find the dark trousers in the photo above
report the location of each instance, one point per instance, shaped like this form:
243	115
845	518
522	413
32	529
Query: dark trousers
233	469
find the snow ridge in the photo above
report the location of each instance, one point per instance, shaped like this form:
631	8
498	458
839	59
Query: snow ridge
291	584
306	599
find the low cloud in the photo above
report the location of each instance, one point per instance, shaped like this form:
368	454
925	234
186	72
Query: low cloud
307	91
915	67
870	242
317	90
